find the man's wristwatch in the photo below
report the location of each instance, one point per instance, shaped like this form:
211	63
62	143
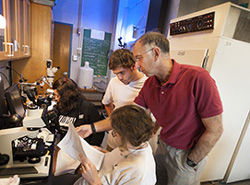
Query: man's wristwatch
191	163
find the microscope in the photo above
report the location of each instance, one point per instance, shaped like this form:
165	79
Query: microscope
51	72
24	150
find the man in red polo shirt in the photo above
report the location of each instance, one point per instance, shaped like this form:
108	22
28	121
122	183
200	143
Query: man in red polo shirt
186	104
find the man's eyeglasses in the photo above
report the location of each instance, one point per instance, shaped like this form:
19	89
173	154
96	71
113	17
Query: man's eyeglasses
138	57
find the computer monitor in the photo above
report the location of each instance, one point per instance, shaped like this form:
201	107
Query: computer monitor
14	100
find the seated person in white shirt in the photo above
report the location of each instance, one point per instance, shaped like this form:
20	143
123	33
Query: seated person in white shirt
130	163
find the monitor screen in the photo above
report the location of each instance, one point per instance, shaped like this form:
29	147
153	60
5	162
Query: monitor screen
14	100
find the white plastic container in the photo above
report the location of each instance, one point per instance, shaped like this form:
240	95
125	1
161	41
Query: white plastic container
85	77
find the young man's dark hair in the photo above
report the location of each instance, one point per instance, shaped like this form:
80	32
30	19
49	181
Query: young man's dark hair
122	58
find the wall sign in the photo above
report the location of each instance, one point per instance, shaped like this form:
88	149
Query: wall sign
95	50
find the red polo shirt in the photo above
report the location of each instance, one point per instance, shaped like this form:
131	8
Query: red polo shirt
178	106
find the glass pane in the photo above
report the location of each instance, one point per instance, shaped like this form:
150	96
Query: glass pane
13	20
28	24
21	40
1	30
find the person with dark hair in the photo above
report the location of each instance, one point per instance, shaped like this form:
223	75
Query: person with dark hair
123	88
72	107
130	163
186	103
122	58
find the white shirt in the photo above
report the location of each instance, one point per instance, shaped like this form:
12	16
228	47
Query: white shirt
137	168
120	94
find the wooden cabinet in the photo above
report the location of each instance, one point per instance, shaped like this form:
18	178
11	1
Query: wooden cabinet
15	39
34	67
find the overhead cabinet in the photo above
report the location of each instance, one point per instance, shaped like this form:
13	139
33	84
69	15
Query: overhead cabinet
15	38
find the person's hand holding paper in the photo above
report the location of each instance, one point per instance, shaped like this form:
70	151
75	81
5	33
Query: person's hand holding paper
89	172
74	145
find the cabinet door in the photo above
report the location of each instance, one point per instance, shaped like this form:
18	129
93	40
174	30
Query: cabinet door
21	26
12	36
26	26
15	36
4	45
2	37
24	18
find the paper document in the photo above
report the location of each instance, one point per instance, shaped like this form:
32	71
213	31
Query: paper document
94	155
96	34
73	145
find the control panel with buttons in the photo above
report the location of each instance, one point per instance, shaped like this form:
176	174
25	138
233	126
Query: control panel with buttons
198	23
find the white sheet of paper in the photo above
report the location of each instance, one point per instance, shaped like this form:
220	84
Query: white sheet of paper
94	155
96	34
73	144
